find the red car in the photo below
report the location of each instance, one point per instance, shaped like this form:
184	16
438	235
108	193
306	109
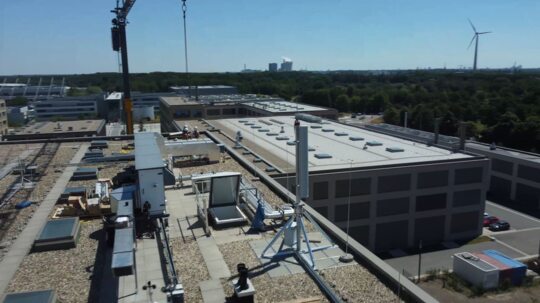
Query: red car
490	220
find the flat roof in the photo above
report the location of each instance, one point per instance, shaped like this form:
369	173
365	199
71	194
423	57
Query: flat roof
504	151
202	87
178	100
344	144
284	107
147	152
48	127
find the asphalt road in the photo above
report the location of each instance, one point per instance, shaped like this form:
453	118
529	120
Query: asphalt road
516	219
523	240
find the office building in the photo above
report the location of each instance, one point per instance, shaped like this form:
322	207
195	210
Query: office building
176	109
400	192
70	108
204	90
514	178
286	66
272	67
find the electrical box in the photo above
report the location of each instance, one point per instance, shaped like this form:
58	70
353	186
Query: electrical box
151	191
290	235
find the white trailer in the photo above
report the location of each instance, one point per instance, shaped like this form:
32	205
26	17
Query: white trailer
475	271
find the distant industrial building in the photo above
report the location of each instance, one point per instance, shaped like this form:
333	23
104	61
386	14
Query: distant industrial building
272	67
38	92
514	178
64	129
204	90
70	108
3	117
286	65
230	106
401	192
140	100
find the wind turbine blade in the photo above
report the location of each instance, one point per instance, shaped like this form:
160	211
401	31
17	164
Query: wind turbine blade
481	33
472	40
472	25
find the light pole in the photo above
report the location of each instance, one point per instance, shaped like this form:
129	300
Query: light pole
346	258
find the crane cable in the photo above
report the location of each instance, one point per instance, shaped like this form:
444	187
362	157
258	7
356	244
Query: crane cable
184	9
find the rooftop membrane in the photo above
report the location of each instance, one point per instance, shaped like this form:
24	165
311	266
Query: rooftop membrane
332	145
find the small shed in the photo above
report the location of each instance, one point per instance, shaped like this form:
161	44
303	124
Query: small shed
475	270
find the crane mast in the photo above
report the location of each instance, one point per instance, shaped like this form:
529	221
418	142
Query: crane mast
119	43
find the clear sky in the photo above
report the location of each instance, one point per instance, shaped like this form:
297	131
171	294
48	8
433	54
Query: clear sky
73	36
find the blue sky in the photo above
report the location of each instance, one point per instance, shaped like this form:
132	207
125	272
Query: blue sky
73	36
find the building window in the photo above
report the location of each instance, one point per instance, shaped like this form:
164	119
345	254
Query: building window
323	210
213	112
464	222
182	113
430	202
359	186
394	183
527	195
433	179
358	211
197	113
467	197
468	175
229	111
390	207
529	173
320	190
501	166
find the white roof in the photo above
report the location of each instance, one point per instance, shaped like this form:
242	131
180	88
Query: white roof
335	140
114	96
283	106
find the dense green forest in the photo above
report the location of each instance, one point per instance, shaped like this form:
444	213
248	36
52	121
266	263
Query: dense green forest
499	107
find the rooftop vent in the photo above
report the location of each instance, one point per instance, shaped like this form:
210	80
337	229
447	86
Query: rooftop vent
394	149
308	118
373	143
341	134
356	138
323	156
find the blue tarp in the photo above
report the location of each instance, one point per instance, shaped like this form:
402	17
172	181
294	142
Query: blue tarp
519	270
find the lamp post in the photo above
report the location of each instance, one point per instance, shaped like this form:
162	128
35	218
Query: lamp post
346	258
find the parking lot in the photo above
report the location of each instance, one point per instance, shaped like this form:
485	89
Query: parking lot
521	241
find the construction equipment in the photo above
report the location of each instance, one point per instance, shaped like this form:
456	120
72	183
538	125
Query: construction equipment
119	43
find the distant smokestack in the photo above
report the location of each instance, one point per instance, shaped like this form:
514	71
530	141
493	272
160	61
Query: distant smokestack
462	131
437	122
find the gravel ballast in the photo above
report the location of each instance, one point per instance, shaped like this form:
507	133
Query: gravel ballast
281	289
66	271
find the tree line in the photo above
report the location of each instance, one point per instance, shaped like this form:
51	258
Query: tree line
499	107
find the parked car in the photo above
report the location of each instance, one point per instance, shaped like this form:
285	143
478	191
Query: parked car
486	215
490	220
500	225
